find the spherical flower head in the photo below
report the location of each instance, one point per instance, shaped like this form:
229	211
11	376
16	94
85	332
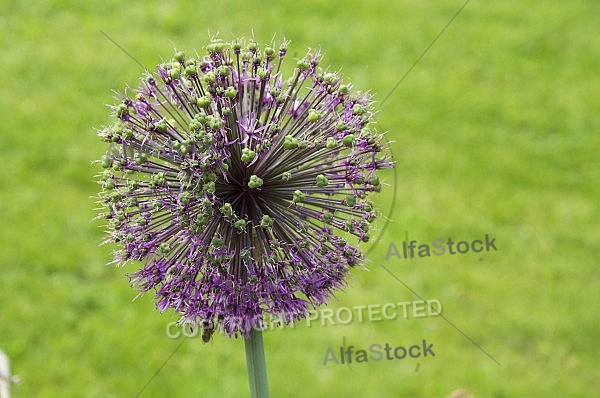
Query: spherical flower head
241	192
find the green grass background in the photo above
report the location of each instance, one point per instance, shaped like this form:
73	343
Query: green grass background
495	131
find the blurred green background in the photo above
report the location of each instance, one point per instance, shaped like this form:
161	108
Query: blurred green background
495	131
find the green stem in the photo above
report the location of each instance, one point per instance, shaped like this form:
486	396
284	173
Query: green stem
257	367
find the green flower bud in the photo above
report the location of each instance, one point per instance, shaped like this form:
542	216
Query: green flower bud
159	178
201	219
132	202
286	176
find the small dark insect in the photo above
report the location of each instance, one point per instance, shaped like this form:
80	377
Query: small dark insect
208	328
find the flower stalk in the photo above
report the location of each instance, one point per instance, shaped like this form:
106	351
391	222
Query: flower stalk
256	365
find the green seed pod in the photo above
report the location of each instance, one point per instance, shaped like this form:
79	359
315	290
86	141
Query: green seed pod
350	201
203	102
349	226
164	248
174	73
255	182
331	143
185	197
209	78
231	93
248	155
341	126
106	162
299	196
290	142
226	210
240	225
322	181
358	109
303	65
209	188
348	140
314	115
161	127
121	110
223	71
262	74
266	221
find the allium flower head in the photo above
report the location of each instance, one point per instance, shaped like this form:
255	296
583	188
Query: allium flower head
243	193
